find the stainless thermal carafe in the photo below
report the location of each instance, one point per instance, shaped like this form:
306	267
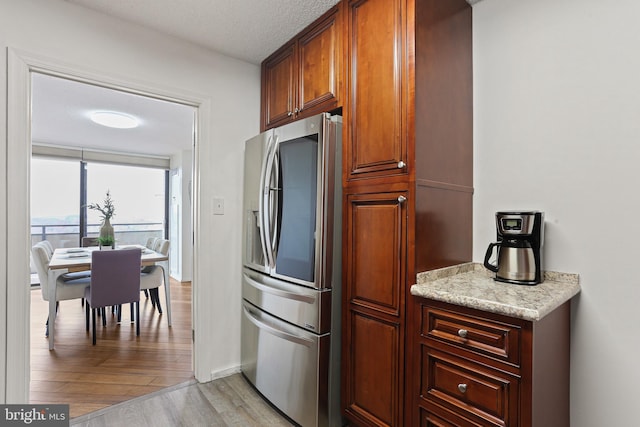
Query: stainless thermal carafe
519	241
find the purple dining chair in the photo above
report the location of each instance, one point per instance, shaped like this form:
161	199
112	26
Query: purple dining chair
115	280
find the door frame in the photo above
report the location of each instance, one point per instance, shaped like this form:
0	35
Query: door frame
20	65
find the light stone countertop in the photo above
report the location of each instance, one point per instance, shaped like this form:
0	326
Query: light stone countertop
472	285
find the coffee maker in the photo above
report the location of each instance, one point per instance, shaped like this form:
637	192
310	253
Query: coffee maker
520	237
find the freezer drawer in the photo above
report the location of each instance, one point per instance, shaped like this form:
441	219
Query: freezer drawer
288	365
305	307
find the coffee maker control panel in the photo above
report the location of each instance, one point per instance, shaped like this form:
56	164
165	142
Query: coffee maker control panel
521	224
512	224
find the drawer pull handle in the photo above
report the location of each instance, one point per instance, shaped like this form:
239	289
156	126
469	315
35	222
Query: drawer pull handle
462	333
401	164
462	388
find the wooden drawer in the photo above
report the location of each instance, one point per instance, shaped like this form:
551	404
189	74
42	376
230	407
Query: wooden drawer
447	419
477	392
478	334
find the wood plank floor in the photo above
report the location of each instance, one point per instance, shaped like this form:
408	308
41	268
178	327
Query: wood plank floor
228	401
120	366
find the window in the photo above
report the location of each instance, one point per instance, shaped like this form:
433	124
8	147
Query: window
139	198
55	198
61	189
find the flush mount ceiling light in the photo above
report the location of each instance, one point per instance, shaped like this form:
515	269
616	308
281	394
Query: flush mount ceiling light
114	119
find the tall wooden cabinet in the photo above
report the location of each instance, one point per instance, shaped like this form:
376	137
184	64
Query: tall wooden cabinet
303	77
407	183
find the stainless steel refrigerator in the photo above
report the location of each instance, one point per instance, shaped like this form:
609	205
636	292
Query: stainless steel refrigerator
291	272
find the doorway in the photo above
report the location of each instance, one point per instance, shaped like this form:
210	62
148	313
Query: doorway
74	162
19	150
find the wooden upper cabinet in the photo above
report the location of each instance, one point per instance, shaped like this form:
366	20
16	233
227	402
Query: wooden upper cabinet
318	59
302	78
278	86
376	140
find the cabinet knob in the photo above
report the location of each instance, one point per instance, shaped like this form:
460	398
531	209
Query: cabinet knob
297	110
401	164
462	333
462	388
402	199
289	113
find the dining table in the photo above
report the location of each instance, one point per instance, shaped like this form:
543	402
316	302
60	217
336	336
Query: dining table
70	260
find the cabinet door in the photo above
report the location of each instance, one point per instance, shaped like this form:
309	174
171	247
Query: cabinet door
319	66
374	371
278	87
373	330
376	138
376	251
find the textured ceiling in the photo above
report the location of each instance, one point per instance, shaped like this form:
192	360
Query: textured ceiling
246	29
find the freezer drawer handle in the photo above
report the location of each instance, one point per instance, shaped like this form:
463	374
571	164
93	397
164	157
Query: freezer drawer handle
279	292
277	332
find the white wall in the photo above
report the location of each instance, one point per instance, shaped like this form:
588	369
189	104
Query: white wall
74	36
557	128
181	243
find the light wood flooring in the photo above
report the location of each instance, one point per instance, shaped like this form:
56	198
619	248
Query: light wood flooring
228	401
120	366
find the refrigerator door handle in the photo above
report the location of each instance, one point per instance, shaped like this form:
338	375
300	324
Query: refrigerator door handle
268	204
279	292
274	331
263	200
275	195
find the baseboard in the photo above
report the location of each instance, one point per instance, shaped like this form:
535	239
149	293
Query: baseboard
225	372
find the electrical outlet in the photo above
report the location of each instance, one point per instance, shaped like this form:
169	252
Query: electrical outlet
218	206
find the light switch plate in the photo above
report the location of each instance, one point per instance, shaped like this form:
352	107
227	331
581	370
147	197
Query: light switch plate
218	206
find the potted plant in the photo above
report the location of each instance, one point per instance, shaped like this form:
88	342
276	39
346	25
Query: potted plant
106	242
107	211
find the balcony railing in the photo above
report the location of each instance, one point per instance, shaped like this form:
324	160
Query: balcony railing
68	235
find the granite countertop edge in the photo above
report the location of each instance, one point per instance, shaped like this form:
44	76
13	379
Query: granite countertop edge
472	285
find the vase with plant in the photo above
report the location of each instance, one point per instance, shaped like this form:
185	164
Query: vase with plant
107	211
